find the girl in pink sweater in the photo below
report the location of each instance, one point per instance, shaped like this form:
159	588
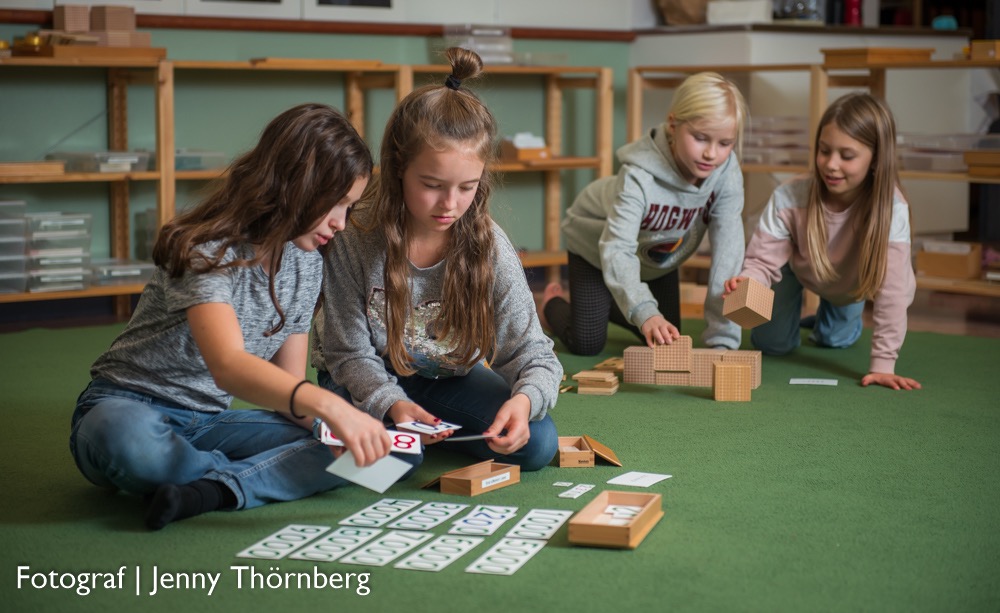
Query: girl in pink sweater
843	233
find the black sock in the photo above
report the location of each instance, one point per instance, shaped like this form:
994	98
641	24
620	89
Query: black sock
174	502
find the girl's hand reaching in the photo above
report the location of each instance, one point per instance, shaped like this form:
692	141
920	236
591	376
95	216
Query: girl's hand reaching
889	380
403	411
730	285
659	331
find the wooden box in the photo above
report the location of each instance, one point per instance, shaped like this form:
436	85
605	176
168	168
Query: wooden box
594	526
478	478
984	50
71	17
580	452
983	163
965	263
510	153
859	57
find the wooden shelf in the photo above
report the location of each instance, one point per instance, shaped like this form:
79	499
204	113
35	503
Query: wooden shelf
969	287
92	292
82	177
537	259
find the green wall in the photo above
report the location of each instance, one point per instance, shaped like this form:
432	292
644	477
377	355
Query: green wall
64	109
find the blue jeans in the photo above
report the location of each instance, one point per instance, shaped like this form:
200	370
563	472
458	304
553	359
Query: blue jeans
836	326
472	401
135	442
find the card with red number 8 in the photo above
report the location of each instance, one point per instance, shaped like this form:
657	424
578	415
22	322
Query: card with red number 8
402	442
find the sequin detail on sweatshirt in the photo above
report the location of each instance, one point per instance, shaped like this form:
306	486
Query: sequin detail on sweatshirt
430	354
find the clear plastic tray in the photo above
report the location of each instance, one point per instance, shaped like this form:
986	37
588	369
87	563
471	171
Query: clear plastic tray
102	161
54	222
12	209
12	264
13	283
121	272
937	161
12	228
59	280
948	142
55	260
12	245
66	242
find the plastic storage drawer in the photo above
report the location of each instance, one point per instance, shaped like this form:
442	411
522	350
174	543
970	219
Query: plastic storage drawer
12	245
48	261
63	242
121	272
57	222
59	280
13	283
13	209
12	228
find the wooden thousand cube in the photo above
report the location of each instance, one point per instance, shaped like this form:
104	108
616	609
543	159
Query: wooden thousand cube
750	305
680	364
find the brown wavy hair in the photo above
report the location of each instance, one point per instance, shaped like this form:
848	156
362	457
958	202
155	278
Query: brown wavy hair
441	117
308	158
869	121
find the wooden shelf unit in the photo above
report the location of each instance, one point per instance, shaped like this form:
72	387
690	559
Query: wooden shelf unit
870	75
119	74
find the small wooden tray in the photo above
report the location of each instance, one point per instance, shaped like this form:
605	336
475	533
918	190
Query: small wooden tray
94	52
587	527
19	169
861	57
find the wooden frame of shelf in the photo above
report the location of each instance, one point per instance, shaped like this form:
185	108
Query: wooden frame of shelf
871	75
120	73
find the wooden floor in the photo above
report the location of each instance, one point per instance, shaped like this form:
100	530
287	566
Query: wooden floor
953	314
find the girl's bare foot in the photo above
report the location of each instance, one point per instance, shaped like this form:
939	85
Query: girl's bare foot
552	290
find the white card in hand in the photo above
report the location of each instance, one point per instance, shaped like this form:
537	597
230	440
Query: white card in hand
402	442
378	477
422	428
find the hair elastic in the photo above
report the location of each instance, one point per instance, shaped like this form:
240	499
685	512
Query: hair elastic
291	400
453	82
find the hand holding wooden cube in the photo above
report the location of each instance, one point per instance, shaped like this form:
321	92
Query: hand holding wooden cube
750	304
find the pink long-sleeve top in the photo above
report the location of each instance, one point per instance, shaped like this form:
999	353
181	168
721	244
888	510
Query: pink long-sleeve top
780	239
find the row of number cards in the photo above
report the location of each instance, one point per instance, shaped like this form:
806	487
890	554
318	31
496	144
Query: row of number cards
521	543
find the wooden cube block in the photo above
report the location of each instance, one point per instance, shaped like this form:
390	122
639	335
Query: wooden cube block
749	357
673	357
71	17
750	305
672	378
731	382
112	18
702	371
639	365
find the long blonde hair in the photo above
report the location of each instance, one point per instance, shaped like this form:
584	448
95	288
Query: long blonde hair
439	116
709	95
868	121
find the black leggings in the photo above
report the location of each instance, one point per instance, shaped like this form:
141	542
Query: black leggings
582	323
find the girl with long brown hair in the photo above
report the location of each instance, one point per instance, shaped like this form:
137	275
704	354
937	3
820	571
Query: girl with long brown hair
427	287
227	313
843	233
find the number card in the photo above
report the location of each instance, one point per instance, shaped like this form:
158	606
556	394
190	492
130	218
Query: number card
430	515
379	513
335	544
577	491
506	557
539	524
282	542
402	442
439	553
422	428
386	548
483	520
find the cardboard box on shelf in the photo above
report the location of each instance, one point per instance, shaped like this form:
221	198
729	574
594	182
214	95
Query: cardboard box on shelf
956	261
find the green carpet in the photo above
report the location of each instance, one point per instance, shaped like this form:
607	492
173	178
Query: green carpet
806	499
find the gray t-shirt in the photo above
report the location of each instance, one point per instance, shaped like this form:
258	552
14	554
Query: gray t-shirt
349	339
156	353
